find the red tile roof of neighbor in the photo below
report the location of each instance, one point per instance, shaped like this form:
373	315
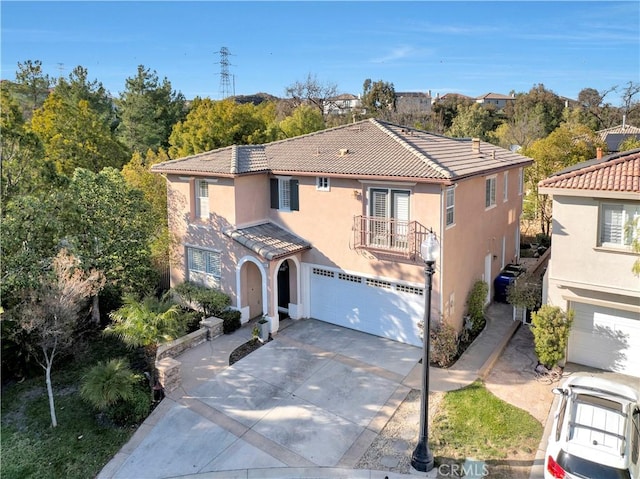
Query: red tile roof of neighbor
619	172
369	148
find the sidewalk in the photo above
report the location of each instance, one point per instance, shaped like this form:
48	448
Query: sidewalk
228	422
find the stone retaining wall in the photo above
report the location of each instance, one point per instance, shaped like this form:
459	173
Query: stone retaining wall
168	367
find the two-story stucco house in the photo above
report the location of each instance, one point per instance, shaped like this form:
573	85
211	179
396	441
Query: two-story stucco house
590	270
328	225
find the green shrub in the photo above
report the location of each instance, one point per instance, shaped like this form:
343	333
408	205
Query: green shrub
475	305
230	321
134	410
525	292
543	240
107	383
212	302
444	344
551	328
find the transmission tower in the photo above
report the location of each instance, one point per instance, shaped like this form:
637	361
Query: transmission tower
225	83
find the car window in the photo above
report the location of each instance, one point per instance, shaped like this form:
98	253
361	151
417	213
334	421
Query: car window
635	436
584	468
563	408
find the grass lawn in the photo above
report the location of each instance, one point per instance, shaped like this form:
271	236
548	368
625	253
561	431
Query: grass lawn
80	446
473	423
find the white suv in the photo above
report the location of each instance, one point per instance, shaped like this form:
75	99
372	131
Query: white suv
596	431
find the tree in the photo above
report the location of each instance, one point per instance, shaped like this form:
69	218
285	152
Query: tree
444	111
311	92
566	146
77	88
630	104
107	227
216	124
305	119
50	312
32	84
75	136
148	110
474	121
541	106
378	98
21	154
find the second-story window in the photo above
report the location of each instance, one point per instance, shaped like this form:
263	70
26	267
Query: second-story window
450	206
520	181
617	224
202	199
284	194
505	187
322	183
490	192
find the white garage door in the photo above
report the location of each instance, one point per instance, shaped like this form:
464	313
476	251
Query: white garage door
375	306
605	338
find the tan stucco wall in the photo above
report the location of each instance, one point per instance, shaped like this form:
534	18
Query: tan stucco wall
577	261
326	220
477	232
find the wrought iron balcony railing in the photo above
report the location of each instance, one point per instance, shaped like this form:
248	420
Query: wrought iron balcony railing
388	235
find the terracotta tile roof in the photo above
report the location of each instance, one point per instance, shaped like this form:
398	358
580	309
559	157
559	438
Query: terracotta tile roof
269	240
619	172
369	148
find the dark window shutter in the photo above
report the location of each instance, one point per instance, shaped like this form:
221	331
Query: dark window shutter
275	198
294	197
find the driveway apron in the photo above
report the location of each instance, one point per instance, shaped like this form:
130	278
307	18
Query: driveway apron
317	395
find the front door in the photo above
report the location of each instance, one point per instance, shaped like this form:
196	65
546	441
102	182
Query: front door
284	291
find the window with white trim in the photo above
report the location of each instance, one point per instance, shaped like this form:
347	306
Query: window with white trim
322	183
490	192
202	199
389	222
204	267
450	205
618	224
505	187
284	194
520	181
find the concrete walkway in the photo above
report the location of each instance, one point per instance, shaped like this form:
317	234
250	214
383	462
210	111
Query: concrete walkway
307	404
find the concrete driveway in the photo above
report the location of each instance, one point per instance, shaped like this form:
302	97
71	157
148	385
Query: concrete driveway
315	396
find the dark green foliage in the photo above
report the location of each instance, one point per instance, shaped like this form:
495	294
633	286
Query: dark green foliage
525	292
211	302
108	383
551	328
444	344
475	305
230	321
134	410
543	239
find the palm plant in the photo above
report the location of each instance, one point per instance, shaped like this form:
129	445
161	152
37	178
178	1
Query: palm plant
146	324
105	384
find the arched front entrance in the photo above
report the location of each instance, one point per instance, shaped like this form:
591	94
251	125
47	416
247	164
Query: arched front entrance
287	283
251	289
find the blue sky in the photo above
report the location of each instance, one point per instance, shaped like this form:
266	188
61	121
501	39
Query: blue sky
470	48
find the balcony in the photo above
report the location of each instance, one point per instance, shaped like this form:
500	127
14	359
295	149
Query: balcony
388	236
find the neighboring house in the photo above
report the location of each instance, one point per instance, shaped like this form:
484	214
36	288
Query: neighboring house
614	136
413	102
328	225
341	104
495	99
590	270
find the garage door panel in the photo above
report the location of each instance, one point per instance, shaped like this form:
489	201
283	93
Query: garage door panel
605	338
370	305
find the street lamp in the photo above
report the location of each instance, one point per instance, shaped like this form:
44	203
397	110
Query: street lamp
422	457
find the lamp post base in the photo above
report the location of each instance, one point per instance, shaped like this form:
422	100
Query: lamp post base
422	457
